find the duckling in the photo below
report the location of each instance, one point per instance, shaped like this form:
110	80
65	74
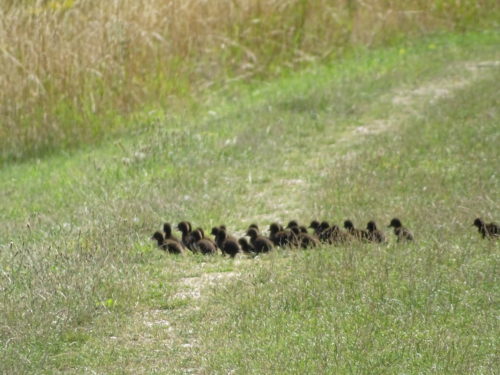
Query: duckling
374	235
401	232
201	244
490	230
205	237
292	223
340	237
315	227
214	231
167	229
356	233
333	234
325	232
245	246
279	236
227	244
219	239
185	228
261	244
305	240
173	247
322	230
255	226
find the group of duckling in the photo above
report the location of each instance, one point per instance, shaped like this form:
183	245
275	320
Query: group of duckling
291	236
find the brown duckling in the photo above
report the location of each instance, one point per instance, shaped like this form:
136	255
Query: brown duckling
228	244
255	226
305	240
205	237
374	235
173	247
186	229
490	230
260	243
359	234
201	244
333	234
221	237
167	229
245	246
279	236
400	231
292	223
315	227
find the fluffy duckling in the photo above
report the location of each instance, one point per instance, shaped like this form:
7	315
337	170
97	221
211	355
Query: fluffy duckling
490	230
167	229
278	236
205	237
201	244
245	246
173	247
356	233
260	243
305	240
228	244
333	234
255	226
186	229
402	233
374	235
219	239
315	225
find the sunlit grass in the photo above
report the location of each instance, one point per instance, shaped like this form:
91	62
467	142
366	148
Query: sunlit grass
76	71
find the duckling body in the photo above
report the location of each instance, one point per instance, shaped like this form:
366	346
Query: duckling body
228	244
260	243
205	237
374	235
334	235
225	241
359	234
245	246
491	230
201	244
167	229
278	236
187	239
304	239
403	234
173	247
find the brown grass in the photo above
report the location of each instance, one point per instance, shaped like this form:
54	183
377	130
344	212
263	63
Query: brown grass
74	70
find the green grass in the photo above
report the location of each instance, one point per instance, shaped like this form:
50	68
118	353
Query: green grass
84	289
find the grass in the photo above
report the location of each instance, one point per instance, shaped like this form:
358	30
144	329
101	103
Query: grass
370	137
78	71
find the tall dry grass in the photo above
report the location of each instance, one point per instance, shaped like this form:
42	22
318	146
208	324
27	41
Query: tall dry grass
73	70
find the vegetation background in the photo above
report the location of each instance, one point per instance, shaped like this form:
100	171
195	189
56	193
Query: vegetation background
76	71
116	116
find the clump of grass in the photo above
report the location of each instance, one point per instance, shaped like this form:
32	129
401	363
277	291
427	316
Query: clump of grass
76	70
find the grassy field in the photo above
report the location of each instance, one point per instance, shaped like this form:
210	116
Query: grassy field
79	71
409	131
